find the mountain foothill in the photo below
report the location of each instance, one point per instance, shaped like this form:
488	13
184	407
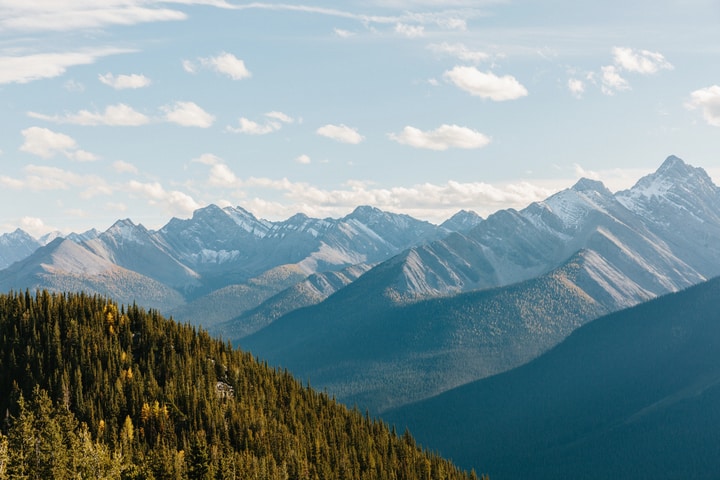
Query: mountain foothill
415	321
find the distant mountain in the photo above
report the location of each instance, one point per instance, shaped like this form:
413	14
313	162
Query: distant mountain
15	246
373	352
222	258
63	265
632	395
598	254
462	221
311	291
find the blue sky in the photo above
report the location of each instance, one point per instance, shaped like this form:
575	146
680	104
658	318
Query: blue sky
151	109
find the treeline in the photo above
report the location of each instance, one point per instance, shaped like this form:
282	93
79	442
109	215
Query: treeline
91	389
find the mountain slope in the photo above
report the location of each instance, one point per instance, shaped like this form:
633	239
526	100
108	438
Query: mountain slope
311	291
632	395
378	354
63	265
161	400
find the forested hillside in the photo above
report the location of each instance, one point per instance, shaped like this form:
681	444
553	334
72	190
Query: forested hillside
105	391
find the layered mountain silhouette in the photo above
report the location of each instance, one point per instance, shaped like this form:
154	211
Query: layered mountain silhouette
635	394
383	309
538	274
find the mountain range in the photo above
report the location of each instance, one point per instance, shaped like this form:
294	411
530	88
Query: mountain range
383	309
477	303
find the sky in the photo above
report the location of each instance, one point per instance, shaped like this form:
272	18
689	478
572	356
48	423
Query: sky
149	110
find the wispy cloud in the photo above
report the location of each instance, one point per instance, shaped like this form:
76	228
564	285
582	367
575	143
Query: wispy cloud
410	31
67	15
188	114
427	200
340	133
612	81
173	202
707	100
124	167
442	138
114	115
274	122
40	177
28	68
122	82
629	60
459	51
486	85
226	64
576	87
640	61
46	143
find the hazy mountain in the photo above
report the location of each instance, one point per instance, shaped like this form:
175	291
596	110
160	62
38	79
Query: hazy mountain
232	301
135	248
368	350
632	395
63	265
224	261
462	221
311	291
15	246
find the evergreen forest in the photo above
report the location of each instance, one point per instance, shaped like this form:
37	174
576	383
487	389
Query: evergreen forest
91	389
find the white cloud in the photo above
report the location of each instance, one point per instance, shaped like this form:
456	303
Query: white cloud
27	68
114	115
486	85
303	159
576	87
189	66
222	176
207	159
69	16
124	167
39	178
122	82
46	144
410	31
253	128
460	51
280	116
708	100
188	114
340	133
225	63
442	138
173	201
343	33
273	124
74	86
612	81
642	61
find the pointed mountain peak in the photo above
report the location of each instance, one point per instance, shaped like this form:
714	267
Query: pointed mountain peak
365	212
672	173
462	221
589	185
673	163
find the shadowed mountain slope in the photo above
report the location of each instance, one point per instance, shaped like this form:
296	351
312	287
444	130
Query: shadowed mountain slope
635	394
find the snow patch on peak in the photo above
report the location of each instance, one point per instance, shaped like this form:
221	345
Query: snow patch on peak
126	230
